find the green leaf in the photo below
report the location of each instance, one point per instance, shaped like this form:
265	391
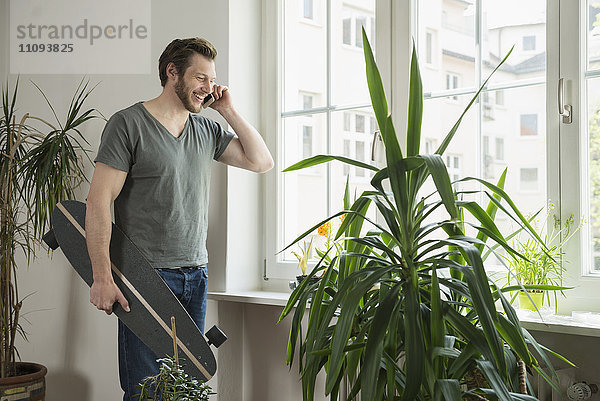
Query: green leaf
414	348
450	389
319	159
439	173
374	350
490	373
415	107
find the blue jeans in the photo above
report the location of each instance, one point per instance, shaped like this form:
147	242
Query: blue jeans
136	360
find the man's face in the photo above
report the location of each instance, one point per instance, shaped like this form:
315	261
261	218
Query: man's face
196	83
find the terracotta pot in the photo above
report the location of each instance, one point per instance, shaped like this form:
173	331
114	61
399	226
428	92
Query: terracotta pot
525	302
29	385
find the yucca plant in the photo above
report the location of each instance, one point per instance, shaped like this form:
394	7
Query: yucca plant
38	168
406	311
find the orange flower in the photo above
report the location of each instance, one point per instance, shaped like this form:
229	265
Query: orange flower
342	217
323	230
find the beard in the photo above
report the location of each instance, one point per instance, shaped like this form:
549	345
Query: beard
184	94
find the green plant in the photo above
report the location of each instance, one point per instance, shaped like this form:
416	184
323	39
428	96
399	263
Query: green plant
38	168
303	256
406	311
540	269
173	384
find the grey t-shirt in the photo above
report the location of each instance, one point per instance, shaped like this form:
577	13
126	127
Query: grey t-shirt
163	206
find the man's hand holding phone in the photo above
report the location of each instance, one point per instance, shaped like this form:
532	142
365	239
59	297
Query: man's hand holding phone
219	99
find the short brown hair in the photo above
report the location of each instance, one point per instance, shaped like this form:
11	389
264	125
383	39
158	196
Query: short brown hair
179	53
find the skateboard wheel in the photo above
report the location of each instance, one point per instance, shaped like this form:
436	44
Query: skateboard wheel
50	239
215	337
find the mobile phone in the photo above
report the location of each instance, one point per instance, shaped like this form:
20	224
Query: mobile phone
208	100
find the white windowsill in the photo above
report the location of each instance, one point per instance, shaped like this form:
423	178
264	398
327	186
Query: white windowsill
251	297
558	324
530	321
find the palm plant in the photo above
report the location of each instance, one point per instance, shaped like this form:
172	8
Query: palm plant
38	168
406	311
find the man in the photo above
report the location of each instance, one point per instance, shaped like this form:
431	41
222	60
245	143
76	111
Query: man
154	163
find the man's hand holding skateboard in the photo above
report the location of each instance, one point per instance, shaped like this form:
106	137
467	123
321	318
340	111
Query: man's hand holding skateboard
104	293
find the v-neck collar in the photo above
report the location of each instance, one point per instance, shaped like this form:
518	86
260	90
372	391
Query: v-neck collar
163	128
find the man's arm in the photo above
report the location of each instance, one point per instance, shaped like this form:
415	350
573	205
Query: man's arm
248	150
106	185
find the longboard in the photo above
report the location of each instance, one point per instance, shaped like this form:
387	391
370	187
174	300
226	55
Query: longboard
151	301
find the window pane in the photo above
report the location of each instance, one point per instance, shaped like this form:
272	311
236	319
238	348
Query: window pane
302	73
304	192
308	9
593	179
528	43
360	123
503	27
461	157
529	124
347	31
450	41
593	36
358	27
429	47
500	97
529	179
307	102
355	145
500	149
348	79
307	141
523	151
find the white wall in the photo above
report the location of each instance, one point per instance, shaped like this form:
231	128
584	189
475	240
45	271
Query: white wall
76	342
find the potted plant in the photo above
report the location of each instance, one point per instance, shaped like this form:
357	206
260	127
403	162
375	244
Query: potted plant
406	310
540	271
303	257
172	384
39	166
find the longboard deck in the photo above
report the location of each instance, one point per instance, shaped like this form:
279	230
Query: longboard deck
151	301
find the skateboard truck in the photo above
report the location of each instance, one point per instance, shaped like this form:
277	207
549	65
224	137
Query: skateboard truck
215	337
50	239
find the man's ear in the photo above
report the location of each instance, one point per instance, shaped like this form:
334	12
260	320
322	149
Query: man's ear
171	71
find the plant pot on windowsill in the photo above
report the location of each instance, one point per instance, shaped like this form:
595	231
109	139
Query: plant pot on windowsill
526	298
311	280
29	383
300	279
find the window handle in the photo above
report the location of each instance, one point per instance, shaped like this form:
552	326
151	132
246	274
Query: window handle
376	137
564	110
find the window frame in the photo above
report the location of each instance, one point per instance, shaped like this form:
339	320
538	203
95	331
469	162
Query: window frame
275	272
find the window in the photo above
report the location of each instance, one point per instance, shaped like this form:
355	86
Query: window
529	124
353	22
499	149
307	141
467	39
528	43
347	118
347	31
360	123
429	47
528	179
453	166
500	97
308	9
307	102
452	82
324	108
472	39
